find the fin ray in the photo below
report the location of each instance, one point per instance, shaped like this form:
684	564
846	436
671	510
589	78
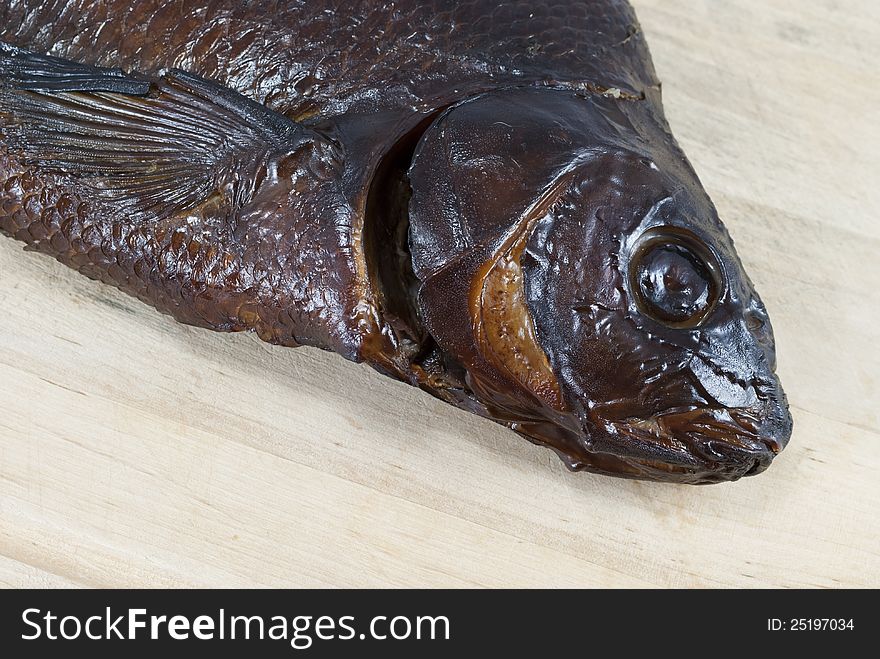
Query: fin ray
110	130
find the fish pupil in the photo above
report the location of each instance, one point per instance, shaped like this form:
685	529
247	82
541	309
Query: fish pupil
674	282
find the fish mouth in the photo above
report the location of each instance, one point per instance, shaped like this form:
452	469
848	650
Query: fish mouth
693	445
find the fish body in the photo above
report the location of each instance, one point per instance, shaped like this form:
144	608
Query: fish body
480	199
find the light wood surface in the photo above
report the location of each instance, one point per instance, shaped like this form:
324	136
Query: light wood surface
138	452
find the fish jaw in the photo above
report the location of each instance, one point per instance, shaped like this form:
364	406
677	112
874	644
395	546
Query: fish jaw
701	445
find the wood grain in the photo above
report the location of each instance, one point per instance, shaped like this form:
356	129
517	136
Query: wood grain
194	459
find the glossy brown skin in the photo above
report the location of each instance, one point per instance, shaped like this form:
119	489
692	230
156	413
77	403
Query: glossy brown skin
384	180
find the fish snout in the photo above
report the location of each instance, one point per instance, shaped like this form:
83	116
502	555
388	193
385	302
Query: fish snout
775	428
772	427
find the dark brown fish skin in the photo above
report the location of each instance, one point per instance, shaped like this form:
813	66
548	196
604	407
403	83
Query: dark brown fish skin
328	58
374	70
317	252
633	394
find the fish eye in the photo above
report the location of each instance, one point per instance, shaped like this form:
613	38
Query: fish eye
675	278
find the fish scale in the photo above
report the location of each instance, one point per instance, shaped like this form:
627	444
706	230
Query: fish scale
322	57
481	199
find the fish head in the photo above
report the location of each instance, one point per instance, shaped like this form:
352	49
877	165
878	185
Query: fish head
572	263
656	335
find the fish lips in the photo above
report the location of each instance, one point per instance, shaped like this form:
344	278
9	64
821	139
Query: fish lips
698	445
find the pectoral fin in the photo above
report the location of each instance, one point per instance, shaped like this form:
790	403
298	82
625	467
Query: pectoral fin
158	146
182	192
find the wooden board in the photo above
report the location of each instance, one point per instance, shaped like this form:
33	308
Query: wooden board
193	459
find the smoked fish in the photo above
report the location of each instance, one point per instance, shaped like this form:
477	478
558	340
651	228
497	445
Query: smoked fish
481	199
